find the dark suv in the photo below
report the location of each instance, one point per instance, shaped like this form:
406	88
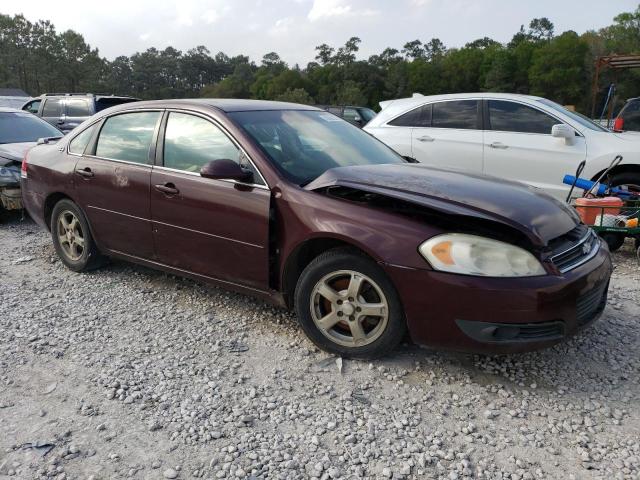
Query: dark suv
629	116
359	116
66	111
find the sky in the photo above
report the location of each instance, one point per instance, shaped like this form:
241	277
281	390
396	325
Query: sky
293	28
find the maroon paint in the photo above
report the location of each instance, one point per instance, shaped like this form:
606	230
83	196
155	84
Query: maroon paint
242	237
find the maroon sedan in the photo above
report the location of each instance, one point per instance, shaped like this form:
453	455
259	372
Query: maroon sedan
301	208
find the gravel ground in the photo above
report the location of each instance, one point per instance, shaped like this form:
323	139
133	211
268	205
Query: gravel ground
131	373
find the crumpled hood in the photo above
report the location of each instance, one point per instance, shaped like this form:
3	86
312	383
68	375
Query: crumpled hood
537	215
13	152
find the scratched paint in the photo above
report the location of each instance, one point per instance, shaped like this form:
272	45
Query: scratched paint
120	179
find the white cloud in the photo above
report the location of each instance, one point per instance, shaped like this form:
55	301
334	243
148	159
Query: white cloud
145	36
328	8
211	16
282	26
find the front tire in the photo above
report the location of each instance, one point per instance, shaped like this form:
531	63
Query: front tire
347	305
627	181
72	238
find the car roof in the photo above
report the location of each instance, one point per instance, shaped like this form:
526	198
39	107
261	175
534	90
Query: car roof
11	110
391	108
224	104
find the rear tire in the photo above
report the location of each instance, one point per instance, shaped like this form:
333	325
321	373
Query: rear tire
347	305
72	238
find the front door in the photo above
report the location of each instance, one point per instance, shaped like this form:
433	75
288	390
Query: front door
112	182
453	138
215	228
519	146
53	111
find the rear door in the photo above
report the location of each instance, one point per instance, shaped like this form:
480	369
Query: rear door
519	146
53	111
215	228
451	137
112	181
77	110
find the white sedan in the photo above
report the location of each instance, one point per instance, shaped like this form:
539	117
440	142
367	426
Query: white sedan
517	137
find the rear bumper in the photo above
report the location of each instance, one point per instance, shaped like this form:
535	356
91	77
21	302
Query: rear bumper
494	315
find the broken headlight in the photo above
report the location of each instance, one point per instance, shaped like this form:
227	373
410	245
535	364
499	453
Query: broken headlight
474	255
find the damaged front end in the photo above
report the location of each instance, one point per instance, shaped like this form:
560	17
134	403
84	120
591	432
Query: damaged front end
10	194
454	201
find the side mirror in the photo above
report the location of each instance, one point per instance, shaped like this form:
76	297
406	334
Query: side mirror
225	169
563	131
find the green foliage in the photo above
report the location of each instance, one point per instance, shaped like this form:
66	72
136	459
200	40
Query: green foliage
558	69
295	95
36	58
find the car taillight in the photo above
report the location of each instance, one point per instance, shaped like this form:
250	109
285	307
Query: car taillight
23	168
618	124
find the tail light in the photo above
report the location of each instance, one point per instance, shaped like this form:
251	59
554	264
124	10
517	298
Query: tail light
23	168
618	124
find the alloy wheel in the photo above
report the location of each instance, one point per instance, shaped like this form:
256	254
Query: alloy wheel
349	308
70	235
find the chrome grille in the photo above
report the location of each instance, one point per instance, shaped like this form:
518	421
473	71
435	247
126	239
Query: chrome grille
571	254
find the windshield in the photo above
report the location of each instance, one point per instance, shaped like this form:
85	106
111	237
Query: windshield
21	127
578	117
304	144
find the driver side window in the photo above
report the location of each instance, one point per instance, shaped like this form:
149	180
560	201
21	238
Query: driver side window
507	116
191	141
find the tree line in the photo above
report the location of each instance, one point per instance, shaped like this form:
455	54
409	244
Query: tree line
537	61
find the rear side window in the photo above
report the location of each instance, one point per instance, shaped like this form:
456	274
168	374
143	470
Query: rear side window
456	114
335	110
80	142
32	106
127	136
190	142
515	117
77	107
52	107
631	116
418	117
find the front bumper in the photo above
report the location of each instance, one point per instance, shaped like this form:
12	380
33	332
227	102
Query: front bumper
495	315
11	198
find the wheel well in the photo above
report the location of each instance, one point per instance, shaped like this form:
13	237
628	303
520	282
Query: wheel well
619	169
49	203
301	257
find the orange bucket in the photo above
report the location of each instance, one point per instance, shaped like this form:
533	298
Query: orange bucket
590	208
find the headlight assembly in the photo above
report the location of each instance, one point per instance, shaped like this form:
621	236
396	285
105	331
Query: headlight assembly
474	255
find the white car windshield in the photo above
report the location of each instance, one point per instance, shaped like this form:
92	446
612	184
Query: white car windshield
578	117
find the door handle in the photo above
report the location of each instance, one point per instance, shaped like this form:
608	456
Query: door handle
499	145
425	138
84	172
167	188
